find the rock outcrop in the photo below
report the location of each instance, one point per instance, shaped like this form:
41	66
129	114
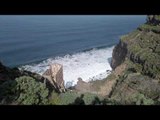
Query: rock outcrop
117	56
82	86
135	78
153	19
55	76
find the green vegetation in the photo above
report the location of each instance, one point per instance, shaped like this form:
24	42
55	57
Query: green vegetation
89	98
139	84
144	50
54	99
157	49
24	90
7	92
129	36
140	99
68	97
157	17
92	99
135	49
148	27
30	91
27	91
72	98
133	88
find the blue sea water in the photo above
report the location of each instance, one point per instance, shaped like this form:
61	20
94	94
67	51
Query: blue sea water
35	41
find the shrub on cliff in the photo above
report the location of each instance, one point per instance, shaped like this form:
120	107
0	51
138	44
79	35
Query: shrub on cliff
143	50
54	99
68	97
30	91
7	92
23	90
147	28
140	99
91	99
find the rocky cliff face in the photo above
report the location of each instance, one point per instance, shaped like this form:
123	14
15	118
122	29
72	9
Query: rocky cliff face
140	47
119	54
140	52
136	63
153	19
55	76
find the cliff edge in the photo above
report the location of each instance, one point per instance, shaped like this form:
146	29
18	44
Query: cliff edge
140	52
135	79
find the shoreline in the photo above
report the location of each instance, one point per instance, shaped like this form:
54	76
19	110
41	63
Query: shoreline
90	65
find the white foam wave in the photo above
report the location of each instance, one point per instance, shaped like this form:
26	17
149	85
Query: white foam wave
89	65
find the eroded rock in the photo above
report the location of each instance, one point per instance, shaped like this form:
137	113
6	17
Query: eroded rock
55	76
119	54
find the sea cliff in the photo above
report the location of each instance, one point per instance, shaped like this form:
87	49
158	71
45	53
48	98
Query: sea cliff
139	51
134	80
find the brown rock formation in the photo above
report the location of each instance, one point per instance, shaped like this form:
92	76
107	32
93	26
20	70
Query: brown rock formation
82	86
55	76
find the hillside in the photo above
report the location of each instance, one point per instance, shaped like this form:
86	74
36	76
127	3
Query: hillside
139	51
135	79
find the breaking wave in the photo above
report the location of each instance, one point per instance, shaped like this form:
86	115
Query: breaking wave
88	65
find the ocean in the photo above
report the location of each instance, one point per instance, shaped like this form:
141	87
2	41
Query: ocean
83	44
